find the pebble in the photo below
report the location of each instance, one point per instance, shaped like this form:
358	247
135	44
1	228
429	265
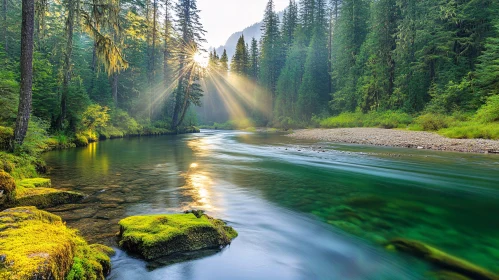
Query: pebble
398	138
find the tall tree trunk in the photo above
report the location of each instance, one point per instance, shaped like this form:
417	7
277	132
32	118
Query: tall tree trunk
148	43
4	27
27	40
167	39
67	61
153	54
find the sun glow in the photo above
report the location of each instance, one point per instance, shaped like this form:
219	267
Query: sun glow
201	59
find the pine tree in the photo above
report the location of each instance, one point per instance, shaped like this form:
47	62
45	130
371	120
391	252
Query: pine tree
376	85
240	61
314	90
290	80
192	36
254	60
349	35
289	25
270	53
487	73
307	18
224	63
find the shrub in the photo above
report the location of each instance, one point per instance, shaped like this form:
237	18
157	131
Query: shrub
6	133
81	140
121	120
433	122
36	138
489	112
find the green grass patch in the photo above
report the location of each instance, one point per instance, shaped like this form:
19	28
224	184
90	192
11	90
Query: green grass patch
386	119
472	130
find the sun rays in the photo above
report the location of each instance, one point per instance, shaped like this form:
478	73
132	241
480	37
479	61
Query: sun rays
239	96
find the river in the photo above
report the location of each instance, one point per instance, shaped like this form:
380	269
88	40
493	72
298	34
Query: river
301	212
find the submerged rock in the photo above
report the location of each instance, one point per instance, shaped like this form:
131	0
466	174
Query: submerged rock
442	259
35	244
157	236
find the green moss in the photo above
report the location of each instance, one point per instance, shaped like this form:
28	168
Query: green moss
162	235
34	183
19	167
90	262
45	197
442	259
37	245
7	185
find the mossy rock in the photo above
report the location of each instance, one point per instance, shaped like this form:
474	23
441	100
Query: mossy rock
34	183
442	259
157	236
45	197
7	185
35	244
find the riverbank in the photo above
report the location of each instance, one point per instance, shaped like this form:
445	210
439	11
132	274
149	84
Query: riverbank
398	138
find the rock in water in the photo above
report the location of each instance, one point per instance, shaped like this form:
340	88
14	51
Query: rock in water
442	259
157	236
35	244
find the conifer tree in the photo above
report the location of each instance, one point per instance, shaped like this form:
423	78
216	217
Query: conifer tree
240	61
192	36
224	62
270	52
376	86
254	60
349	35
314	90
289	25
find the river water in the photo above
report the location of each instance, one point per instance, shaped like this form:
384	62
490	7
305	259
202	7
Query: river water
319	211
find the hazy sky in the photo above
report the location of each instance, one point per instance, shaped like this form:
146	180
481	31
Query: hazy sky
221	18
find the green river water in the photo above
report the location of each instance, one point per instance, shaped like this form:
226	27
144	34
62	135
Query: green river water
303	210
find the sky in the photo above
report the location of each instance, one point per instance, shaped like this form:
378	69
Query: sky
222	18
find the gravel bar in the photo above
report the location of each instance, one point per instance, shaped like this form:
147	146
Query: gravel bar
398	138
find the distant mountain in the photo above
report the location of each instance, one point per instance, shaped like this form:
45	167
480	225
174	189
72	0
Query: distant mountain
254	31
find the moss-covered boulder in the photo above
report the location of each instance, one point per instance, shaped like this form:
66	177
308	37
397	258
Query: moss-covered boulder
37	192
35	244
46	197
7	186
157	236
442	259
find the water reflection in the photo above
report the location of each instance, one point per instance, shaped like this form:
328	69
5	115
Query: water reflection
266	186
198	186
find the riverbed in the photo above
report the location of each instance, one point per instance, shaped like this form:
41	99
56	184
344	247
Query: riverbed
301	213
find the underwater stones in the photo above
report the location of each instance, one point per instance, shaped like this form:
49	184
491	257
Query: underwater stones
157	236
370	202
442	259
35	244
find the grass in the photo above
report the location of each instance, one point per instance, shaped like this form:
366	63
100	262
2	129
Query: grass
386	119
472	130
